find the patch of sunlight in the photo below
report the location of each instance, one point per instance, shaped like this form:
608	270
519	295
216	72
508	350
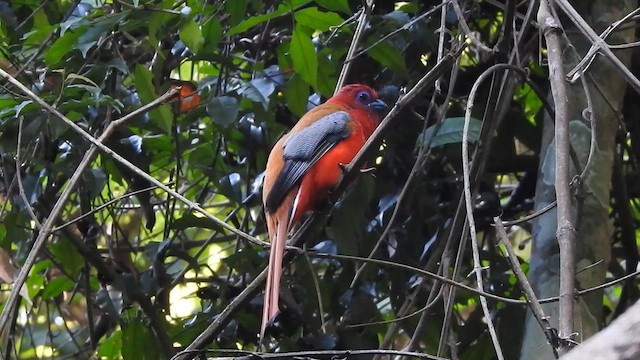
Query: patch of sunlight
215	256
44	351
183	300
239	346
424	58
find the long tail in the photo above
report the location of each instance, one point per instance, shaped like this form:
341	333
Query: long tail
274	273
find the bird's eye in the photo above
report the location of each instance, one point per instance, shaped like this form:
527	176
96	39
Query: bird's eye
363	97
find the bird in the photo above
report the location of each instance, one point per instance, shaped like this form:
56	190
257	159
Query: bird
305	165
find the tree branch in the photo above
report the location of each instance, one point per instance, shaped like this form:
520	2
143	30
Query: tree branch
566	230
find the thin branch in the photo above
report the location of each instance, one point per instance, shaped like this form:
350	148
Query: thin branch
534	304
467	31
592	36
587	60
316	285
477	268
23	194
321	354
566	231
97	209
355	42
401	28
531	216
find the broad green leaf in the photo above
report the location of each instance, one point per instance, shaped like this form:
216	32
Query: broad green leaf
223	110
110	348
98	29
387	55
450	132
66	255
259	90
284	8
236	9
161	115
56	286
156	21
138	343
297	95
304	57
61	47
327	78
229	185
336	5
212	33
191	35
318	20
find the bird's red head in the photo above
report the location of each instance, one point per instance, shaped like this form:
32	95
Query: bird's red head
359	96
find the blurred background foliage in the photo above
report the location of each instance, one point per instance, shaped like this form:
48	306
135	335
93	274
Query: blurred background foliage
246	70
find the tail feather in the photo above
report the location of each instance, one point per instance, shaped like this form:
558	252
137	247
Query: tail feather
274	273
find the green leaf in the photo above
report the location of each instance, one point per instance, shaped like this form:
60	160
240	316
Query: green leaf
138	343
190	220
223	110
110	348
3	233
282	9
259	90
156	21
304	57
93	33
450	132
212	33
56	286
61	47
66	255
161	115
327	78
318	20
336	5
387	55
191	35
236	9
297	95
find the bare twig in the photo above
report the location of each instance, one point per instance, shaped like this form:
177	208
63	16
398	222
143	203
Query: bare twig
403	27
465	28
23	194
534	304
322	354
587	60
355	42
566	230
531	216
593	37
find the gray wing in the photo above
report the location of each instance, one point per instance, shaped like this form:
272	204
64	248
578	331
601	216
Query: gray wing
303	149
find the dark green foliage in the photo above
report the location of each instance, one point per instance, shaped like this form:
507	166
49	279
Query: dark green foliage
256	67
